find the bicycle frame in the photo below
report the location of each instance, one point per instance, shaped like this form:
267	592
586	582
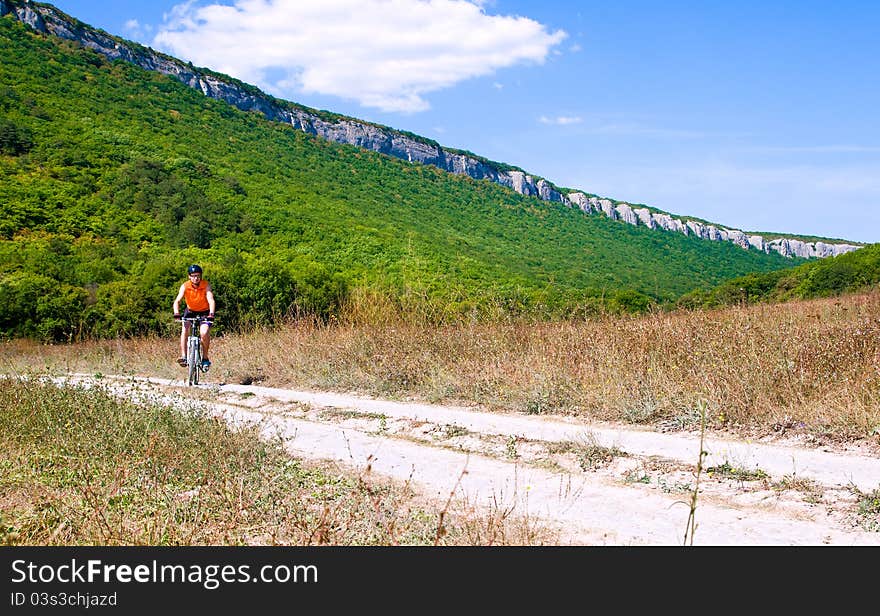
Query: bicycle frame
194	349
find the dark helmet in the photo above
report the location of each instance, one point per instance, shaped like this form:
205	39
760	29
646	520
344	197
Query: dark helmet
194	269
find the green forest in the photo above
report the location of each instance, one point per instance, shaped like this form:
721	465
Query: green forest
115	179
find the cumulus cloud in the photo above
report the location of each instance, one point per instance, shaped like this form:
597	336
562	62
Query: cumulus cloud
386	54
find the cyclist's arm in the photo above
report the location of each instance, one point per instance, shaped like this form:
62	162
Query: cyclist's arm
176	305
210	297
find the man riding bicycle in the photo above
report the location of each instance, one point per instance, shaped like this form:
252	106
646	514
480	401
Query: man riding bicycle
199	303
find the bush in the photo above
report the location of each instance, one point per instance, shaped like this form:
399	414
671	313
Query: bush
629	301
36	306
274	289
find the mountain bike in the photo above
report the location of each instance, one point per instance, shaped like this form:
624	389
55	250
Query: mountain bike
194	350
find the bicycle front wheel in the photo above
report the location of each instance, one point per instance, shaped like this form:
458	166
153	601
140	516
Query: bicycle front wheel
193	361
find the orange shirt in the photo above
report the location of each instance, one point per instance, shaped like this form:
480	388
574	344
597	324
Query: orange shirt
196	297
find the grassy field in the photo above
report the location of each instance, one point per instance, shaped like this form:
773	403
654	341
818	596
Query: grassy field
81	468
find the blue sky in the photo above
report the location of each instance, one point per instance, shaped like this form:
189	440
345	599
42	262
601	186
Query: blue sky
755	115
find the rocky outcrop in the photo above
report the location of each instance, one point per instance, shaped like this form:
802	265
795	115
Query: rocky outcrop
340	129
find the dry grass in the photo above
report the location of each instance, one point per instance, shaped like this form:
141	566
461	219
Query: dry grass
809	366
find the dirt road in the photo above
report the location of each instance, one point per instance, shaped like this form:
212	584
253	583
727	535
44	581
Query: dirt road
597	484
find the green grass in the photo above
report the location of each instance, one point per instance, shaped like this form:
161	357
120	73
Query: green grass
729	471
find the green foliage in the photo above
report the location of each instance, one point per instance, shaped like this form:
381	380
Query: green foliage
838	276
627	300
37	306
14	139
187	215
849	272
119	178
256	290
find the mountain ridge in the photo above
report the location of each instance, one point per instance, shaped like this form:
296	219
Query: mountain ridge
47	19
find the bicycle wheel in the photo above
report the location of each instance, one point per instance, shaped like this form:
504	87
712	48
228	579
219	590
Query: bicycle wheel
193	360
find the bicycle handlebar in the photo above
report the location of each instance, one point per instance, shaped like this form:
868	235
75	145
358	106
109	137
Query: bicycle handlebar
198	319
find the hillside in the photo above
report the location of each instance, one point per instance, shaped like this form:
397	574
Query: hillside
114	178
846	273
407	146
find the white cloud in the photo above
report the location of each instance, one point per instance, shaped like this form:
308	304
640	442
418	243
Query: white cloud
386	54
135	30
561	120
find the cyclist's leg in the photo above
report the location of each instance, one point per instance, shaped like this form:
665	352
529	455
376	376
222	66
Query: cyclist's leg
205	335
184	332
206	340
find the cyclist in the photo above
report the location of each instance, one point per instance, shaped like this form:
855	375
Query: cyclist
199	297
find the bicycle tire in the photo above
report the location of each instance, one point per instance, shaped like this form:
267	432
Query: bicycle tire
193	361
